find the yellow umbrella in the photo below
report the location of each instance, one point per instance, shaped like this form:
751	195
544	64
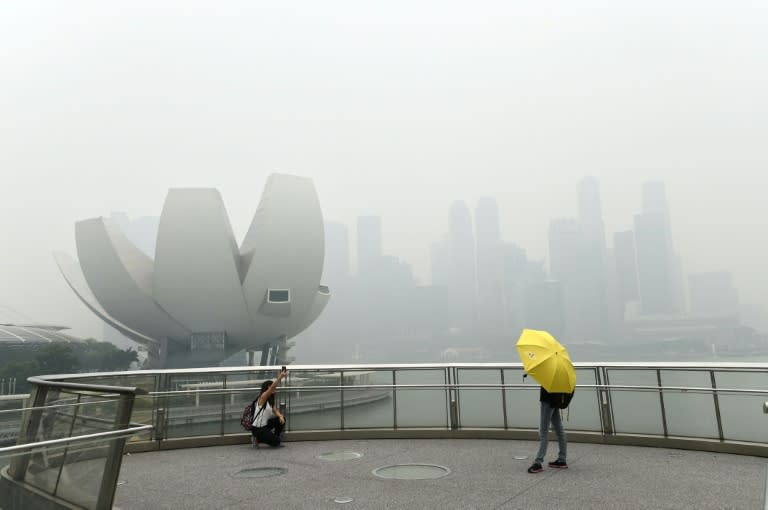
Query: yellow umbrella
546	360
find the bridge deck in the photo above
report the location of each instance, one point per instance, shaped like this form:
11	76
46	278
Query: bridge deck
484	474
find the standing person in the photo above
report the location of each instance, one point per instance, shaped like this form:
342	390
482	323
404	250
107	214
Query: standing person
551	403
268	421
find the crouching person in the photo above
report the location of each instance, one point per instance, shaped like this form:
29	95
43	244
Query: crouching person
268	421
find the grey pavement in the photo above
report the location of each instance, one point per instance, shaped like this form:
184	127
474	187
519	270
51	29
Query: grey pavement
484	474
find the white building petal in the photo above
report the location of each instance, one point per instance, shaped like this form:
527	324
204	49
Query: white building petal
74	277
118	274
197	278
283	250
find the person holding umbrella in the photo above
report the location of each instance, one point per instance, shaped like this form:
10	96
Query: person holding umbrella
547	361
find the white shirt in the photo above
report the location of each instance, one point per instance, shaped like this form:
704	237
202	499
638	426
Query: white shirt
261	417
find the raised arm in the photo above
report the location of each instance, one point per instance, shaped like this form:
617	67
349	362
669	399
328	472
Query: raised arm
271	390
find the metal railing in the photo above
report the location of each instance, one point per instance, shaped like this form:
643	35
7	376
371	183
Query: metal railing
70	444
717	407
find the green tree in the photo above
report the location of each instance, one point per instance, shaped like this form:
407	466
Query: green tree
57	358
94	355
19	370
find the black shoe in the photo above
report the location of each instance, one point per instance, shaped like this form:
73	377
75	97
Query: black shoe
558	464
535	468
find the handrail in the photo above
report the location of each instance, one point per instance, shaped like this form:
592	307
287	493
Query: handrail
458	386
123	390
86	438
54	406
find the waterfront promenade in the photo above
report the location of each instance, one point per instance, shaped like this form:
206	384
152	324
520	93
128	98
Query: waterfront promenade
484	474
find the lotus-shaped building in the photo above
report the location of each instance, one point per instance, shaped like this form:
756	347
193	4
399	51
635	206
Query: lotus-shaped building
202	299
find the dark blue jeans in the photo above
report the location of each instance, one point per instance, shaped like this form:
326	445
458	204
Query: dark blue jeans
551	415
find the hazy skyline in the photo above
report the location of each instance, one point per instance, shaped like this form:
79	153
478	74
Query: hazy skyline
393	109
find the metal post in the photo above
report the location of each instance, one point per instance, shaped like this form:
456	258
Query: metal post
504	399
604	402
29	426
394	400
454	406
114	454
717	405
661	402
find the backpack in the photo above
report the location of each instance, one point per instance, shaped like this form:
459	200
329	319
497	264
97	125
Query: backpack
562	400
247	419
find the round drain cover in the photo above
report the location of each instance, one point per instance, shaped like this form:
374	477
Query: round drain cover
340	456
342	500
412	471
262	472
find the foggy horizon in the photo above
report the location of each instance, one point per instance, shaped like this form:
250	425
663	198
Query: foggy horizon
394	110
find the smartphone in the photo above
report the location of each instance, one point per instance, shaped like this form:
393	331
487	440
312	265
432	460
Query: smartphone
284	369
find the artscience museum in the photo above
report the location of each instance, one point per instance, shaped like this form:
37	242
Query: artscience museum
202	298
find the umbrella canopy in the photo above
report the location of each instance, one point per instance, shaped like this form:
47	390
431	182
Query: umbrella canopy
546	360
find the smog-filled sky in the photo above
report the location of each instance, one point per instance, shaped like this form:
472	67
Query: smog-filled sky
393	108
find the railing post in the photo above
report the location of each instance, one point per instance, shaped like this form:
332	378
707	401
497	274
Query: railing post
604	401
454	409
661	403
717	405
114	454
29	427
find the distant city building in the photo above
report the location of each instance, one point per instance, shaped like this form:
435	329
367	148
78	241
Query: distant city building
583	295
713	294
463	285
546	308
659	269
626	266
336	266
490	270
369	246
22	342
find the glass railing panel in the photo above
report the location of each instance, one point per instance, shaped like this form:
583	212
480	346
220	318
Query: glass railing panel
421	407
197	409
10	419
742	415
635	411
92	414
688	413
584	411
480	407
82	472
43	468
366	407
310	404
144	408
522	402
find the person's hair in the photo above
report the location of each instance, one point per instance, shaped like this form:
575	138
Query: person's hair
264	387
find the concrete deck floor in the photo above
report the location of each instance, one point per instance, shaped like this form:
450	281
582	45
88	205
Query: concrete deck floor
484	474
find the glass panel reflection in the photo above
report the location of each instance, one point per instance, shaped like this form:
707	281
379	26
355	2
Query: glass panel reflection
421	407
681	406
635	411
742	415
309	405
480	407
368	407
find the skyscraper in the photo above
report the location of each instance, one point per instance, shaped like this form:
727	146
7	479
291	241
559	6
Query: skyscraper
336	265
658	268
464	285
570	264
490	271
626	265
369	244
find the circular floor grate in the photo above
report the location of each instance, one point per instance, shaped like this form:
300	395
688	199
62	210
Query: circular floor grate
340	456
412	472
262	472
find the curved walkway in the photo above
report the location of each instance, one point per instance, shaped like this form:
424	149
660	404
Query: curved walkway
484	474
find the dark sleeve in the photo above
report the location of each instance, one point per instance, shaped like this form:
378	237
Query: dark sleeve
543	395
